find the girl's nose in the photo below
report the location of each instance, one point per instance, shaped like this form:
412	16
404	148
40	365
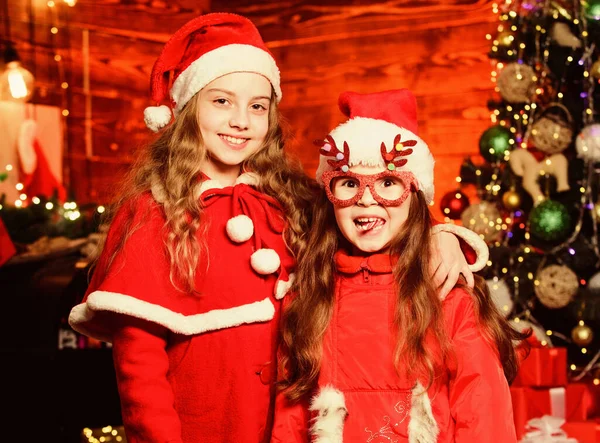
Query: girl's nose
367	198
239	119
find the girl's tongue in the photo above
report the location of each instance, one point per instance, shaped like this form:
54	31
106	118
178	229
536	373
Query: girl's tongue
368	224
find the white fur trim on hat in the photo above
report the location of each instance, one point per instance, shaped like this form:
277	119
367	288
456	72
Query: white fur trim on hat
472	239
330	406
265	261
178	323
240	228
282	287
157	117
422	427
27	155
364	137
222	61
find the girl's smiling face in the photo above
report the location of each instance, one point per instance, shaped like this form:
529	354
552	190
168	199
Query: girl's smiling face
369	226
233	114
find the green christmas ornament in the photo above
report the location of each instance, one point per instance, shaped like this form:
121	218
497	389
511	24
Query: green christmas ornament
494	143
550	221
592	9
3	176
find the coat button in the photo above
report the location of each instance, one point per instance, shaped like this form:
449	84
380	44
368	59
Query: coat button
266	373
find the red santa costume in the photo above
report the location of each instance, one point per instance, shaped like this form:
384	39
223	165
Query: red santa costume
196	367
360	395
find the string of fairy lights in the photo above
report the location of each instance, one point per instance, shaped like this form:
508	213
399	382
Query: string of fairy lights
516	128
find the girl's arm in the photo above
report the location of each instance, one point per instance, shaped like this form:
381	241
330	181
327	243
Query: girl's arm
147	401
480	401
291	421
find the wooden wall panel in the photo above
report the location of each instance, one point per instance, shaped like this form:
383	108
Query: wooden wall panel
323	47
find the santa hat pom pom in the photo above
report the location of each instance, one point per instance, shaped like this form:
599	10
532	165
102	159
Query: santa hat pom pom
240	228
265	261
157	117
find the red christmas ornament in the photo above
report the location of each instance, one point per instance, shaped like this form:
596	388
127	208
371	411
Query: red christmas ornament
453	204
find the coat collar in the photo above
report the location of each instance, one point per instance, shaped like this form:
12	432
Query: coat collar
351	264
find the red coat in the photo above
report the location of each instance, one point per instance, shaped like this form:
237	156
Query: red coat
191	367
361	397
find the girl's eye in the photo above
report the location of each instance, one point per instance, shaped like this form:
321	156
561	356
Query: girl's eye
221	101
258	107
349	183
388	182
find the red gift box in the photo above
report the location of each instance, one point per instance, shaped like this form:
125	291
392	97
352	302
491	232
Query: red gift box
584	432
572	402
543	367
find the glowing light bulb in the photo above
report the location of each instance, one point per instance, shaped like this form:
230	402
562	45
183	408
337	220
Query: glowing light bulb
16	83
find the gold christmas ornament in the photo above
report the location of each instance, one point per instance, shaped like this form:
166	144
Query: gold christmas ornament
511	200
595	70
582	335
483	219
505	38
596	212
516	83
551	132
557	286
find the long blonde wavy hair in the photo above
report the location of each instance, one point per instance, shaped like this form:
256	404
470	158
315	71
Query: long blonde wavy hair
418	306
170	168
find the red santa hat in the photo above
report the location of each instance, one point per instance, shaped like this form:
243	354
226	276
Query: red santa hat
204	49
382	120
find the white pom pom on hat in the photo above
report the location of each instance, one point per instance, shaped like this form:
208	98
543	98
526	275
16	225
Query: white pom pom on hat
240	228
265	261
157	117
204	49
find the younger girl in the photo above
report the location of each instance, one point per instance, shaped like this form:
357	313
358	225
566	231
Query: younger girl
188	286
367	338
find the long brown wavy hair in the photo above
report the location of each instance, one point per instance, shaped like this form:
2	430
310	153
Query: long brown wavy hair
169	168
418	305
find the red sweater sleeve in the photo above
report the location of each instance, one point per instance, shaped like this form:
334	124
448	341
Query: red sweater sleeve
480	401
147	401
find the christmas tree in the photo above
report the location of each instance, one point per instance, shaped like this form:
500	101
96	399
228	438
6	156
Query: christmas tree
537	181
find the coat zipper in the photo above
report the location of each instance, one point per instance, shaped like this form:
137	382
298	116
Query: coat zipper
365	267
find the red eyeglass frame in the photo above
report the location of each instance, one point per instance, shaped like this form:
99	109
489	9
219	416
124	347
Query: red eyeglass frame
408	179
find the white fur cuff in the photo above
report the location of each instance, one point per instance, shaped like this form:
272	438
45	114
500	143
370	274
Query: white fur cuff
330	406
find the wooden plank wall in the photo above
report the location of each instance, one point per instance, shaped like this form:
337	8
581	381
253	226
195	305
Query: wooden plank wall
437	49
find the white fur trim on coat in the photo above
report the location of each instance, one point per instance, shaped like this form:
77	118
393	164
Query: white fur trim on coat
422	427
330	406
178	323
265	261
222	61
240	228
157	117
472	239
364	137
282	287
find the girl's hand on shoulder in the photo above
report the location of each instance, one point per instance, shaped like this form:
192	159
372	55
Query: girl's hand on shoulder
448	263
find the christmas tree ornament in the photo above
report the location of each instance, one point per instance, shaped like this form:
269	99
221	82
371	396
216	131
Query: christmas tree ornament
595	70
505	38
563	36
511	200
552	131
484	219
550	221
557	286
453	204
516	83
594	283
591	10
501	296
494	143
524	164
582	334
587	143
